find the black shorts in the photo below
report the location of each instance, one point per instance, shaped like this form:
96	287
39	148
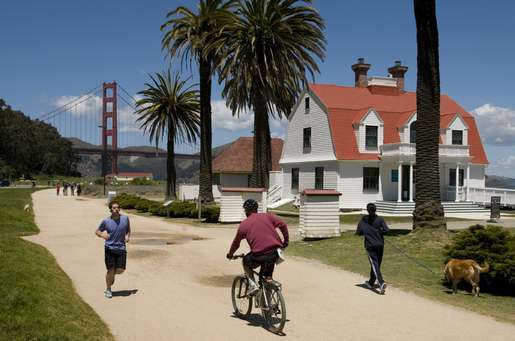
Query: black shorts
115	259
266	261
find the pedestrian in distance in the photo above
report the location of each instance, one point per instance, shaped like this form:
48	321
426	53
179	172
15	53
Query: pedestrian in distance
58	187
79	189
373	228
115	230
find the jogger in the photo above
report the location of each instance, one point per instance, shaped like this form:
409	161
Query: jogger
373	227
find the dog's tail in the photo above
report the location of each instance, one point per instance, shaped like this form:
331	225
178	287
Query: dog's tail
485	268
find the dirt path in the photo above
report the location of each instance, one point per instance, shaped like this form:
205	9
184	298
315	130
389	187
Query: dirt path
181	290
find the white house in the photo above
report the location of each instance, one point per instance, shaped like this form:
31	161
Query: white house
360	141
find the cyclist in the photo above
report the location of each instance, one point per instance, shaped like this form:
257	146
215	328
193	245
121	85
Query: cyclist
259	229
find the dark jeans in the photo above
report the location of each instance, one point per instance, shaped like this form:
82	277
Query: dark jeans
375	256
265	261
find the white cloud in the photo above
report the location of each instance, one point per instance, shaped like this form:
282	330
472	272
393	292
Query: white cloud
507	162
223	118
496	124
79	105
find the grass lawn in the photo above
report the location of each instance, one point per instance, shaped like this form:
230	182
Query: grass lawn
347	252
37	298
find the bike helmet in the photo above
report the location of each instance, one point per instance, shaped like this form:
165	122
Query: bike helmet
250	205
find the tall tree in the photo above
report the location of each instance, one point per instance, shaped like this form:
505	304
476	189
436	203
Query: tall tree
428	207
169	107
185	33
270	46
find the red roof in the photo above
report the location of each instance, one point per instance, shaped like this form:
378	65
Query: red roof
348	105
312	191
237	158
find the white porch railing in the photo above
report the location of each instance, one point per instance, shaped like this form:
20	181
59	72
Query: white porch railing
483	195
274	194
409	149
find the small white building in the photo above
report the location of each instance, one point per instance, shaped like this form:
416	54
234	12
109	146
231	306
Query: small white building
360	141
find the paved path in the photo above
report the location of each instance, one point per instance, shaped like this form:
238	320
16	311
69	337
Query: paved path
180	290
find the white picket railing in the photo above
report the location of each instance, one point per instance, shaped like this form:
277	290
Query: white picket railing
483	195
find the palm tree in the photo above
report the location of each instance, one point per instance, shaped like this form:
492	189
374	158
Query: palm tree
428	207
185	32
270	46
169	107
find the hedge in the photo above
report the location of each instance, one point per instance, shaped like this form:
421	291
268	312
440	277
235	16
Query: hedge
494	245
178	209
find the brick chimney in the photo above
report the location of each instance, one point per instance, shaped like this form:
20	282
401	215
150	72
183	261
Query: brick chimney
397	71
360	73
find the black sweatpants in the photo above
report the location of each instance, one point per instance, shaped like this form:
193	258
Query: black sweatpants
375	256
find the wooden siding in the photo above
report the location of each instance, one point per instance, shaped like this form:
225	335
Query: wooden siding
321	141
351	185
307	176
231	203
319	217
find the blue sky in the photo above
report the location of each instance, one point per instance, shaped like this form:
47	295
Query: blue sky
53	49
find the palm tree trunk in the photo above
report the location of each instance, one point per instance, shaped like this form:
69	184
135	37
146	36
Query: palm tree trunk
206	171
170	165
262	159
428	207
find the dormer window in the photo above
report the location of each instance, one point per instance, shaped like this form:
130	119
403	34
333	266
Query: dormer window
457	137
306	104
371	137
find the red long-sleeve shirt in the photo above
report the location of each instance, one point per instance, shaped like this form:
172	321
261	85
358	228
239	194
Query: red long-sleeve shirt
259	229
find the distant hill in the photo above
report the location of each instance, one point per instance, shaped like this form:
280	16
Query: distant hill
499	181
187	170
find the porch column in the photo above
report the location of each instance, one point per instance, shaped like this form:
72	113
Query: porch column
457	180
399	182
467	198
411	182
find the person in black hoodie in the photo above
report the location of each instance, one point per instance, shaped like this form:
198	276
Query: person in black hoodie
373	228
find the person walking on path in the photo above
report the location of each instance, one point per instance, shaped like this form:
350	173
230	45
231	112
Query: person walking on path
373	227
58	187
259	229
79	189
115	230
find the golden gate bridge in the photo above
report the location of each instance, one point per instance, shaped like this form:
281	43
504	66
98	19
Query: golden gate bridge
97	124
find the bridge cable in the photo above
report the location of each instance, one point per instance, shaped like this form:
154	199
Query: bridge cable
62	107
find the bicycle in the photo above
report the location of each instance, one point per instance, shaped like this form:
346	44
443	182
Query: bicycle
268	298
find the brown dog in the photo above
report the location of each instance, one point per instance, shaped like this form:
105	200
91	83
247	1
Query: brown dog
467	269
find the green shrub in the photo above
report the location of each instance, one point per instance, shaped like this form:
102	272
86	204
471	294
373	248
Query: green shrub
141	182
127	201
154	207
494	245
142	205
181	209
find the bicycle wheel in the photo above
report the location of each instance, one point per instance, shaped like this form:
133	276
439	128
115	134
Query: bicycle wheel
275	313
241	302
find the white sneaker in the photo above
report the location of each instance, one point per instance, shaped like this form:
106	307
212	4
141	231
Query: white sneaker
368	285
108	294
382	288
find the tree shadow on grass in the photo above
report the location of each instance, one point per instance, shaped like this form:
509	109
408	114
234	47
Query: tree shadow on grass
398	232
124	293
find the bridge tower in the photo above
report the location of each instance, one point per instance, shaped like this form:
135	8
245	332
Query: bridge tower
109	128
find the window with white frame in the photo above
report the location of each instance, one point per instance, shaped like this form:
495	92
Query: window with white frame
319	177
371	137
457	137
295	178
370	178
306	140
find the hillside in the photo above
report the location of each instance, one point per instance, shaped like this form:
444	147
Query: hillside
499	181
187	170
